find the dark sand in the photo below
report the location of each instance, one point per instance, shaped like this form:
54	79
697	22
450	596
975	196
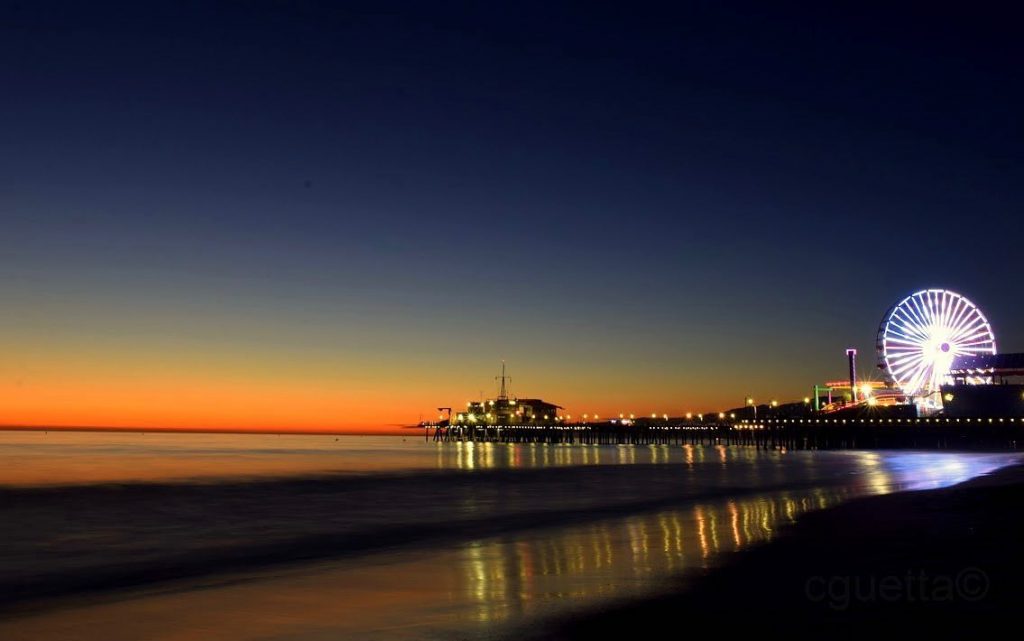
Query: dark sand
942	563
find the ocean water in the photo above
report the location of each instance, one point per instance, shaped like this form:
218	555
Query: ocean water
202	536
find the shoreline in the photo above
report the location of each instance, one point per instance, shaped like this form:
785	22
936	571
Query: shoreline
945	561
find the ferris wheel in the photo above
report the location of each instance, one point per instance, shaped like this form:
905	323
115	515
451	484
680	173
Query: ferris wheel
921	335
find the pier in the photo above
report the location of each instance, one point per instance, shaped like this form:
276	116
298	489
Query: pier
972	433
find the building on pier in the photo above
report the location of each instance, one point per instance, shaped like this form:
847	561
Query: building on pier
509	410
985	385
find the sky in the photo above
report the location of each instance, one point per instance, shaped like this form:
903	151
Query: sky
329	215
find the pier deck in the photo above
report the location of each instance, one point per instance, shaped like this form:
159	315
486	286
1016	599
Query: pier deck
781	433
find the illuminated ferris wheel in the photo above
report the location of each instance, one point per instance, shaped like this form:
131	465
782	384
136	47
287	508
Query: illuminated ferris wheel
921	335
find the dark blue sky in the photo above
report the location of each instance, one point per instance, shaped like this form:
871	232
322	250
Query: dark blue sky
719	193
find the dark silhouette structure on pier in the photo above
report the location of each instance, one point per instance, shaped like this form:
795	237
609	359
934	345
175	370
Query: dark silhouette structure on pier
507	410
1000	394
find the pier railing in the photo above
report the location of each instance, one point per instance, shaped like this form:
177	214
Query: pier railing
995	433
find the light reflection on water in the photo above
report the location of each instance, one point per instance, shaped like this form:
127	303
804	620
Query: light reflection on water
504	580
483	456
56	457
34	458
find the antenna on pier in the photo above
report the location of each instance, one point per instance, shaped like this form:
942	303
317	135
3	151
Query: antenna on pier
503	394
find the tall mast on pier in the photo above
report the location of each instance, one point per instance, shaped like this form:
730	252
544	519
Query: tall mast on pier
503	394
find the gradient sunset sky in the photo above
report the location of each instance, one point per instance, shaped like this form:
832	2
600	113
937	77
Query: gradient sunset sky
330	215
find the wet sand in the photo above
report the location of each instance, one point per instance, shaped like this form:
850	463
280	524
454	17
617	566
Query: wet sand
943	563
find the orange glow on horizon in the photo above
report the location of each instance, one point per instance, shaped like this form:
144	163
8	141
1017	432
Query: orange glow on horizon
245	406
163	385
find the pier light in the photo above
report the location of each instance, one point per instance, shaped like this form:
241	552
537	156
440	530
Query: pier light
721	415
585	417
807	400
872	401
631	417
596	417
689	415
750	401
664	416
775	403
653	415
732	416
948	397
545	417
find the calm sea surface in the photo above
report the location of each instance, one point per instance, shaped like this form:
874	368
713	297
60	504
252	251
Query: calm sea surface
198	536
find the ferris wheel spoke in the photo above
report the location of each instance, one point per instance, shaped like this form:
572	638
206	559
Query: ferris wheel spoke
916	380
963	314
979	347
975	326
977	338
981	336
906	314
908	329
980	341
927	305
930	304
898	362
907	368
907	335
902	361
905	339
974	351
903	347
916	314
908	371
953	312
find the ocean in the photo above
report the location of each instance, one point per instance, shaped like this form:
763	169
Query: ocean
180	536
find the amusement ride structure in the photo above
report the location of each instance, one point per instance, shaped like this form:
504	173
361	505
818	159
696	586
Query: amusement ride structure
920	337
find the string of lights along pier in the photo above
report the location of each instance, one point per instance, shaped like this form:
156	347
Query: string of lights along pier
941	381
